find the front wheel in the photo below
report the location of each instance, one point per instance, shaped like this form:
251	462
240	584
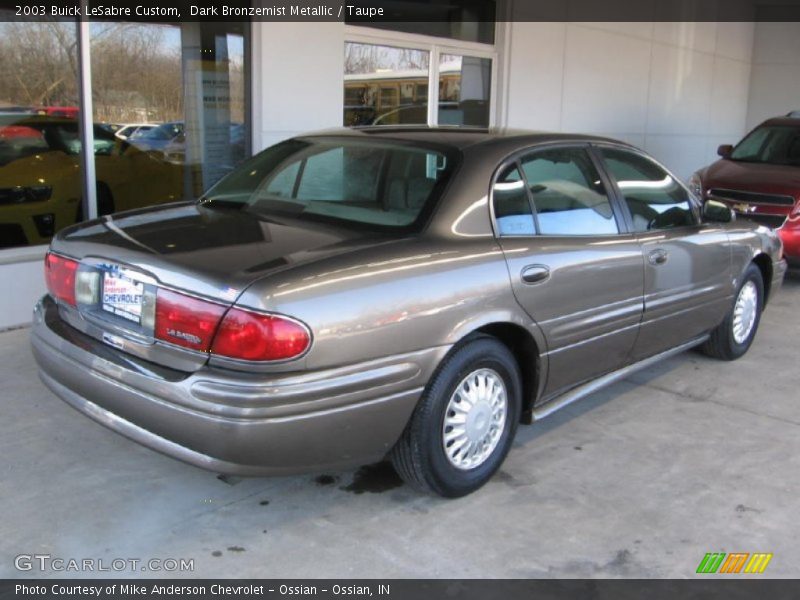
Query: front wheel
465	422
732	338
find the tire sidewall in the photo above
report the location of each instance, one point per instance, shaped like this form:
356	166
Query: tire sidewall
751	274
479	354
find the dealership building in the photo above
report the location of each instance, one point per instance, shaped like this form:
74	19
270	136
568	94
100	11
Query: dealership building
207	95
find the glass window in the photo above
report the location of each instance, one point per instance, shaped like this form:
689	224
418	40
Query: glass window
512	209
654	198
379	83
328	179
464	86
777	145
176	92
567	192
40	176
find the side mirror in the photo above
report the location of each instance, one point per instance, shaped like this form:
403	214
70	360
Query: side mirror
717	212
725	150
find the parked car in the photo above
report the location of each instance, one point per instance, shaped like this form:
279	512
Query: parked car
175	150
759	178
157	137
416	293
40	187
133	130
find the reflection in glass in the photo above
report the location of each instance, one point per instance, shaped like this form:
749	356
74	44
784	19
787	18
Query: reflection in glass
568	195
173	97
655	200
40	189
464	86
385	85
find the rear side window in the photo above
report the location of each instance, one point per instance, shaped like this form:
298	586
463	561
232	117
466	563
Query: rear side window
568	194
655	200
512	208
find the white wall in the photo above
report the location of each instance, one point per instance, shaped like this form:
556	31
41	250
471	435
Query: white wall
775	80
21	285
677	90
297	79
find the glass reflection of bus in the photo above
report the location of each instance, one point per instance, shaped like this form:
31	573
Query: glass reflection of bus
400	97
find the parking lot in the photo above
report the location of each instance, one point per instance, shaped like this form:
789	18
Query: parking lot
640	480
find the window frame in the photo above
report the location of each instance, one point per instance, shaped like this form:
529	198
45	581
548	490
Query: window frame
516	158
435	47
694	202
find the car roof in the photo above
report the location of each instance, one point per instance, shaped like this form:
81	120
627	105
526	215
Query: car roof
459	137
783	121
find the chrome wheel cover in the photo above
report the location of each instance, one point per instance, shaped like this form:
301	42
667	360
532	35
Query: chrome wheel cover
475	418
744	312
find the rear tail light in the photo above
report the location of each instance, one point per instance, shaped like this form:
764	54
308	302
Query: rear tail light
257	337
186	321
59	273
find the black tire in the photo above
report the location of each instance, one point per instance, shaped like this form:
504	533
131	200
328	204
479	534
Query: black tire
419	456
723	344
105	203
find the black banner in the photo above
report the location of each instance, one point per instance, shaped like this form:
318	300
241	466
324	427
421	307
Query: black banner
403	589
376	12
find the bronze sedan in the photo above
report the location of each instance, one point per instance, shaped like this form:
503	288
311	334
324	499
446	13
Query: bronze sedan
352	294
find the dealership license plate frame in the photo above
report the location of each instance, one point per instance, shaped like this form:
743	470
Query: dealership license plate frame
115	283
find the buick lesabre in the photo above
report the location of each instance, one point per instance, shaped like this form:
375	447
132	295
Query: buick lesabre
350	295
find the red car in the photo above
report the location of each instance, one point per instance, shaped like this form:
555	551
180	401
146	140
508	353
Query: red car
759	179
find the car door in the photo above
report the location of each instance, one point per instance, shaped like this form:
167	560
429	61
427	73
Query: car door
573	268
687	263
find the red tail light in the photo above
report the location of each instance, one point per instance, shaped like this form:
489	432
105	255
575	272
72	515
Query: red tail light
186	321
59	273
251	336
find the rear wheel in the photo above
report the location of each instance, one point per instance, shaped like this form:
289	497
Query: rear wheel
732	338
465	422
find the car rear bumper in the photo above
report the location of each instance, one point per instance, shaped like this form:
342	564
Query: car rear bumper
240	424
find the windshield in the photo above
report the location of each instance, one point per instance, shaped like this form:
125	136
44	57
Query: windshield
774	144
372	183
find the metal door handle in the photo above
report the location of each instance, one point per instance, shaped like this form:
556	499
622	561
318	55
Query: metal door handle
658	257
535	273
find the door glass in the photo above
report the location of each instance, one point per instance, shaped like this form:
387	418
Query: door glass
568	195
512	209
464	86
384	85
655	199
40	177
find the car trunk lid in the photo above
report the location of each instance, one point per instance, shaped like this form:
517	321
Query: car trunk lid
204	254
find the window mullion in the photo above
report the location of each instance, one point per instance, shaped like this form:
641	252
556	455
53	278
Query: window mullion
433	88
86	119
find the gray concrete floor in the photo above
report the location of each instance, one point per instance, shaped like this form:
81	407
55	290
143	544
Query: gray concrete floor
640	480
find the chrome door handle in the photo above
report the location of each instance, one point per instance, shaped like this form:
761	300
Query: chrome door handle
535	273
658	257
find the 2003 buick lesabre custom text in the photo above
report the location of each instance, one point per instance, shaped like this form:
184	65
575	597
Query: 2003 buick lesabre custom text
416	293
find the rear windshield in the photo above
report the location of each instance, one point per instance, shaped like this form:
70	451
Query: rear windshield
372	183
773	144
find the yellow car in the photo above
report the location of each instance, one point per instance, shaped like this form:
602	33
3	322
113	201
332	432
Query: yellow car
40	184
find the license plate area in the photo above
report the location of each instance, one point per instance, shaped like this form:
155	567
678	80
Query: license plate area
118	299
122	296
